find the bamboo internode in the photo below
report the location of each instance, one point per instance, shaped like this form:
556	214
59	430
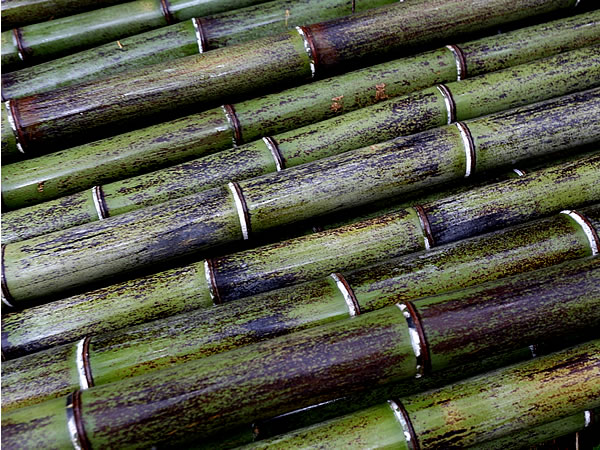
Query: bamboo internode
83	111
47	40
47	177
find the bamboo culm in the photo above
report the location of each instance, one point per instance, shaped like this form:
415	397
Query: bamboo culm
218	280
201	222
47	40
199	334
315	365
119	102
39	179
529	83
472	412
191	37
16	13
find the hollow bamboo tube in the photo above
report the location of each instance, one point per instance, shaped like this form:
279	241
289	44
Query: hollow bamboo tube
47	40
191	37
199	334
50	176
118	102
528	83
279	374
302	259
470	412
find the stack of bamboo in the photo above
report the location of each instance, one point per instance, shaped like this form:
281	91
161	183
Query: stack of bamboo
300	223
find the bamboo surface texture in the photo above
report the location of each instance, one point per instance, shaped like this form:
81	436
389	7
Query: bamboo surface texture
122	156
199	334
201	398
191	37
82	112
302	259
433	107
235	212
16	13
47	40
471	412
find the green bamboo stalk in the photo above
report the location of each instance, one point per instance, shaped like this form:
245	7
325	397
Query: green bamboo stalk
476	410
202	222
203	333
201	398
47	40
191	37
249	272
16	13
51	176
119	102
486	94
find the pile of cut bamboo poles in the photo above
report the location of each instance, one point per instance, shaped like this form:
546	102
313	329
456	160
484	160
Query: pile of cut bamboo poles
300	224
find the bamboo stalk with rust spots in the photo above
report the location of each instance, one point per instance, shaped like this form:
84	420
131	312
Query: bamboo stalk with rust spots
47	40
509	88
56	262
191	37
16	13
200	285
47	177
202	333
204	397
470	412
85	111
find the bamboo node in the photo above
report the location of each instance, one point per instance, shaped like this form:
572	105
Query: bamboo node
449	102
6	296
590	233
271	144
234	124
200	36
407	427
12	121
469	147
241	208
74	422
309	47
211	280
461	61
417	338
347	293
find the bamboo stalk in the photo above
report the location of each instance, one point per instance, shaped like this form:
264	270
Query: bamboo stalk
191	37
311	257
199	334
16	13
201	222
119	102
433	107
201	398
476	410
47	40
47	177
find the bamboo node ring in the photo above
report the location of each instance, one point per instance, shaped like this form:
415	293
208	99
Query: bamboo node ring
99	203
274	149
449	102
347	293
166	10
200	35
74	422
82	361
402	417
13	125
587	228
417	338
234	124
6	296
213	289
469	145
425	226
310	49
461	61
241	208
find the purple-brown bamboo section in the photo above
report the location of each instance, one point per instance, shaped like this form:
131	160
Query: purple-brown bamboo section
79	113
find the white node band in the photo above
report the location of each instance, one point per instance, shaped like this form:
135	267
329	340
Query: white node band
80	358
415	339
240	207
199	35
342	285
272	146
449	102
588	230
308	50
403	423
98	198
13	126
469	146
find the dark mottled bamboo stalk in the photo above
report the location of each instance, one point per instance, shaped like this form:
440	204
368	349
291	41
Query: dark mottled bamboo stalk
191	37
16	13
47	40
201	398
199	334
201	222
51	176
59	117
302	259
470	412
528	83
